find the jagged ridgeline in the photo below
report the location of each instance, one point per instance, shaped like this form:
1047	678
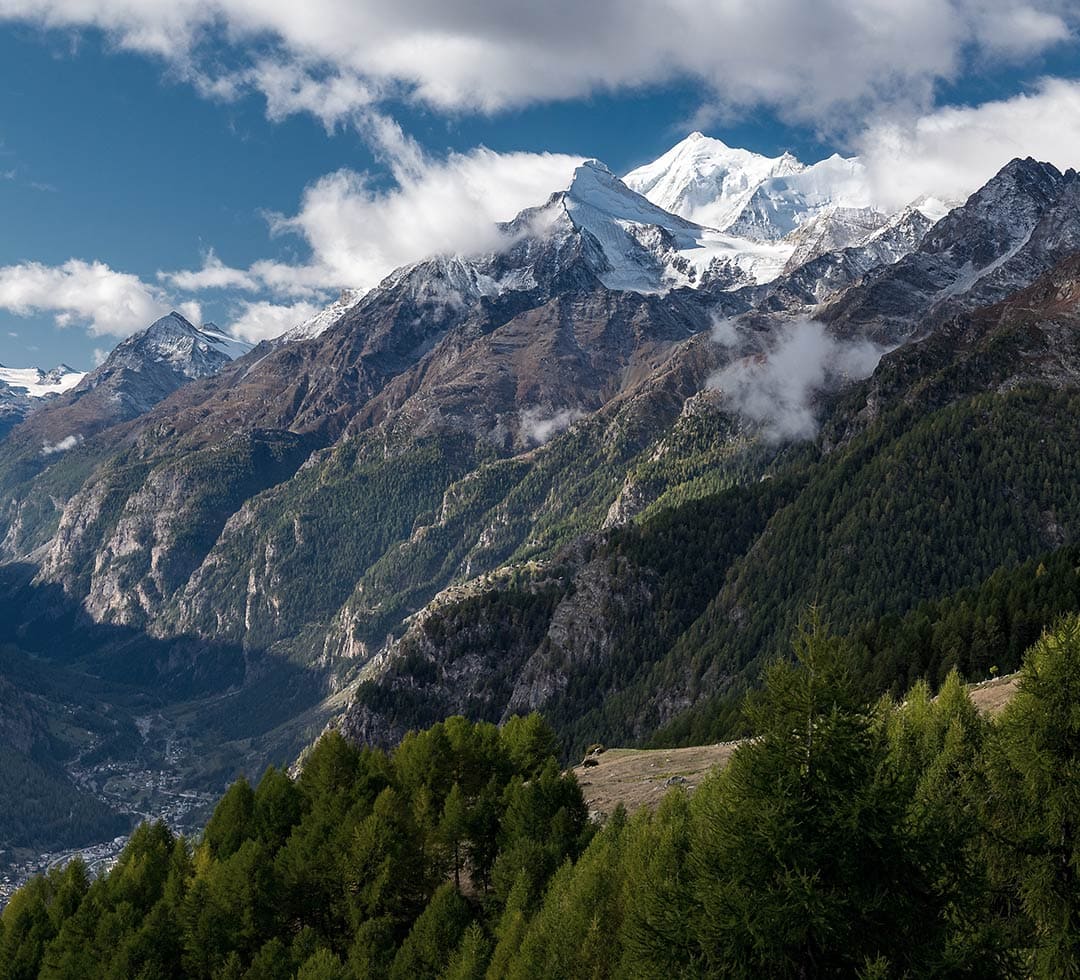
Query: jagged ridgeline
599	472
848	838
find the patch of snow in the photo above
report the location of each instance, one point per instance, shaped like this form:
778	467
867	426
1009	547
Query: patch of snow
968	276
325	318
648	249
35	383
783	203
746	194
228	345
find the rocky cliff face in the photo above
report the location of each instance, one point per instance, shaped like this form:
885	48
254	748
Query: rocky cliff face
1009	232
482	416
1019	358
1030	338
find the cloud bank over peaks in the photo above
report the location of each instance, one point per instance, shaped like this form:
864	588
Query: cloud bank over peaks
357	233
332	58
777	387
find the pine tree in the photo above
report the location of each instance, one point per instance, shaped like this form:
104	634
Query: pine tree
434	937
472	956
322	965
1033	768
453	828
798	856
233	820
657	935
530	742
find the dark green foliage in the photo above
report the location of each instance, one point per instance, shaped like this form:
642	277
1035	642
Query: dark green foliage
470	960
367	865
1033	804
658	577
915	509
41	808
529	742
847	838
978	631
233	821
328	524
434	937
800	850
974	631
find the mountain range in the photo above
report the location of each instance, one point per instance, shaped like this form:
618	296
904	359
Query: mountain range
599	472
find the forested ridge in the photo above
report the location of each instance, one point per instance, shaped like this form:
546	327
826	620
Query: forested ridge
848	838
691	598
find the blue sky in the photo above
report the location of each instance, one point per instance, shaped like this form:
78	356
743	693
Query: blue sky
143	146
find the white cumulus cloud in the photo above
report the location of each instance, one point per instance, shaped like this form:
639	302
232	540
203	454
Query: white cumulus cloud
951	152
358	233
214	274
332	57
81	293
262	320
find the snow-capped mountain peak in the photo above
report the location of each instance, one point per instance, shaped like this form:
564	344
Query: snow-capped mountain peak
595	192
190	351
630	241
707	181
749	195
783	203
646	248
177	340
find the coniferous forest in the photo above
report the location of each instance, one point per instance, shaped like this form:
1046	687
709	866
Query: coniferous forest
910	838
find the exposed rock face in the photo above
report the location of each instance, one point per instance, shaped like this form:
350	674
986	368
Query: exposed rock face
1030	338
585	630
473	416
157	535
1019	225
141	372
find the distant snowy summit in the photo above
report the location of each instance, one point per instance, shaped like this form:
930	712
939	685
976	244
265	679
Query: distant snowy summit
193	352
747	194
141	371
24	389
647	248
706	181
702	215
150	365
813	208
34	383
